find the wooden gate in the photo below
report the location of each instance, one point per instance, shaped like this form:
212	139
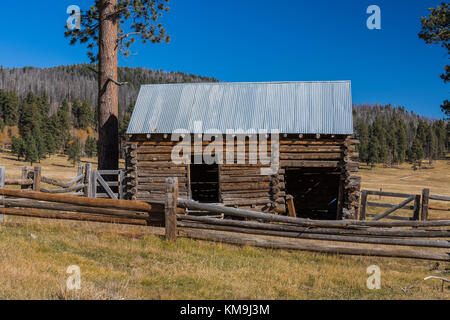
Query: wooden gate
112	187
391	207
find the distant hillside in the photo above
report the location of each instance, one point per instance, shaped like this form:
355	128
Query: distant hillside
391	134
79	82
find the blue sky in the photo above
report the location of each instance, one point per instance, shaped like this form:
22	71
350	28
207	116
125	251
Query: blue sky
262	40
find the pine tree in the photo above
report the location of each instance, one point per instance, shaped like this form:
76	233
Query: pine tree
18	147
90	147
63	123
74	152
363	136
416	153
436	29
50	144
373	151
31	151
432	145
441	137
29	117
76	110
9	107
104	27
401	143
85	115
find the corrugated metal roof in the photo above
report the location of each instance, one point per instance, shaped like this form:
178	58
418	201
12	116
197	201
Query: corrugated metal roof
291	107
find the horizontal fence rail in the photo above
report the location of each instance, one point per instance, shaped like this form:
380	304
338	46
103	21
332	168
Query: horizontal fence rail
55	206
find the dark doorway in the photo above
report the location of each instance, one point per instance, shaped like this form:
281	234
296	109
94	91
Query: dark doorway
205	183
315	191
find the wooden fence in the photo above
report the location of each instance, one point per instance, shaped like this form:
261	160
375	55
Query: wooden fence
240	227
218	227
68	207
87	183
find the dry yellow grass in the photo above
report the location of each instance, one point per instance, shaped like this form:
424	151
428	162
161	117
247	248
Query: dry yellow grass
123	262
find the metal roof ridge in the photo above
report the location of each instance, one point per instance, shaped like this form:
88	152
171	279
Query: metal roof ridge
238	83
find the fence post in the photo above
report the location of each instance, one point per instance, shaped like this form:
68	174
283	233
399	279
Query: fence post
362	211
121	184
25	171
87	180
416	215
425	200
93	184
171	208
80	169
37	179
2	185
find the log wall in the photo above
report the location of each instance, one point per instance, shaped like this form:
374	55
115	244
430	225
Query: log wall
242	185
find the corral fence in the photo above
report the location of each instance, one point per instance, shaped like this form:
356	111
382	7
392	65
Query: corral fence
217	225
426	239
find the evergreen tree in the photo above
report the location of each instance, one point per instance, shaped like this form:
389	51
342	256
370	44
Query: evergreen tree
401	143
74	152
111	26
9	107
441	138
50	144
373	151
76	110
436	29
363	136
416	153
85	115
90	147
31	151
432	145
29	117
18	147
63	123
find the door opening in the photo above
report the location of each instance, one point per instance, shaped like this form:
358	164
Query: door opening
315	191
205	182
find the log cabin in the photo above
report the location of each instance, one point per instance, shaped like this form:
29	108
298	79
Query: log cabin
275	147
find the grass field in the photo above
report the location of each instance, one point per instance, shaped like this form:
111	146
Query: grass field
122	262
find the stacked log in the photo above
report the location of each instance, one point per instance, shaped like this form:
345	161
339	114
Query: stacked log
148	165
351	182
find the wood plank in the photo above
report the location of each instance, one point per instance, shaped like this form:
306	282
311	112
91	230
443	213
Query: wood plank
105	186
389	211
291	206
373	232
325	237
437	197
322	248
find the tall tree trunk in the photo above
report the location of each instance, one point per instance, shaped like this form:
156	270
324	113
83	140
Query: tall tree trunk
108	105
